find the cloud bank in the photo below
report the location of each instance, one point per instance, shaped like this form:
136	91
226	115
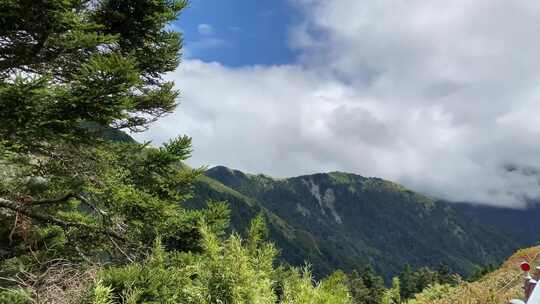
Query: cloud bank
442	96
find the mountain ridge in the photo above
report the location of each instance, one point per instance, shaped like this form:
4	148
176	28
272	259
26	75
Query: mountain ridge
341	220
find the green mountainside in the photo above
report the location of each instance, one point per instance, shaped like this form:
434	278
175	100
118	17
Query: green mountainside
340	220
522	224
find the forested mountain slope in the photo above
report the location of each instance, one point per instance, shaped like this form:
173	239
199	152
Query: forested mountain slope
340	220
522	224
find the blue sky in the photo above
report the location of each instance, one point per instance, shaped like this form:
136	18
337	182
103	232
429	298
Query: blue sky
238	32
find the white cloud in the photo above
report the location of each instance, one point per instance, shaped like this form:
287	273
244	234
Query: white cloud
193	47
235	29
206	42
205	29
442	96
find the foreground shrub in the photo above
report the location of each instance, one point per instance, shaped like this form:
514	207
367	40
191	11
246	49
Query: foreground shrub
14	296
232	271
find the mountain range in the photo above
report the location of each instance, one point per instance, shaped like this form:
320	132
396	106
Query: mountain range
522	224
345	221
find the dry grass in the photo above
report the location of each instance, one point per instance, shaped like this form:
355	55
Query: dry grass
498	287
66	285
61	283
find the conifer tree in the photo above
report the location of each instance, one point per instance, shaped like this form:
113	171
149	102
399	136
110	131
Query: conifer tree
444	275
366	287
70	72
392	296
359	292
408	282
70	69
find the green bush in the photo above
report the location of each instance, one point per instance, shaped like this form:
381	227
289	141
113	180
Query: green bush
233	271
14	296
102	294
434	292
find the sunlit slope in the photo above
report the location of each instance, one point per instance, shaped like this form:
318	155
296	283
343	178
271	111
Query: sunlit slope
497	287
296	245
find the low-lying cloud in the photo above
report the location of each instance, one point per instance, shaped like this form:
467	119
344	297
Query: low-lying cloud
442	96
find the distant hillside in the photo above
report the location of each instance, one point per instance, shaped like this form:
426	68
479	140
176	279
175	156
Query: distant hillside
497	287
294	244
340	220
522	224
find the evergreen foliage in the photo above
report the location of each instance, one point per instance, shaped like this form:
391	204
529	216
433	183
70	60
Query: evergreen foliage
366	287
480	271
392	295
232	271
14	296
66	192
414	282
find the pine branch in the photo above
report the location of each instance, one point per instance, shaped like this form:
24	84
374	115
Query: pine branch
65	198
46	218
60	199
